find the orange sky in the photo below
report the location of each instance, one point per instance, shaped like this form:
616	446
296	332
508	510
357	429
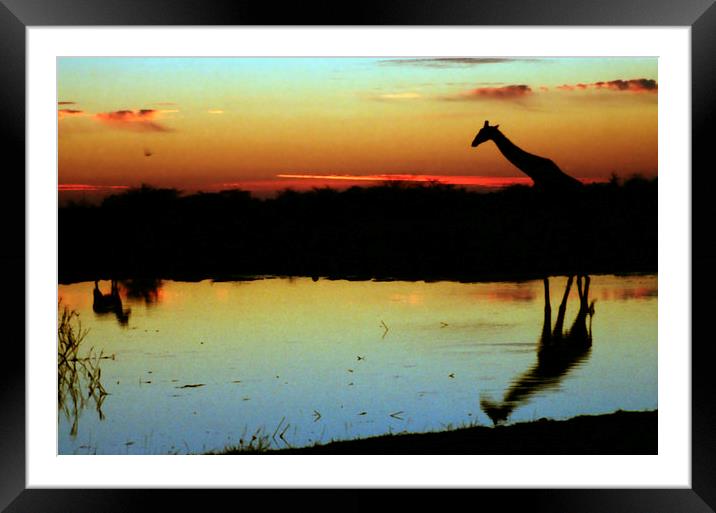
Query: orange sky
267	124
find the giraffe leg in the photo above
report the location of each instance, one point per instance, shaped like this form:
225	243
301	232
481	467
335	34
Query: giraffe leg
547	323
559	324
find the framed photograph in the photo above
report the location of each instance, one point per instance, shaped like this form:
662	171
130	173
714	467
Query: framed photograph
442	248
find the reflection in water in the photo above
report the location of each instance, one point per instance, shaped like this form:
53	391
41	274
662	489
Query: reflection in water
630	293
270	349
78	376
143	289
110	303
557	353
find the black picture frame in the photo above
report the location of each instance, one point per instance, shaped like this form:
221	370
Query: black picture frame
17	15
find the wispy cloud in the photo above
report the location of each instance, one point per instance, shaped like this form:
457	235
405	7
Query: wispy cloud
572	87
143	120
215	111
484	181
64	113
467	180
396	96
65	187
65	103
508	92
449	62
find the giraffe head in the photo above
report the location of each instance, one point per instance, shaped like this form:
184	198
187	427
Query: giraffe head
486	133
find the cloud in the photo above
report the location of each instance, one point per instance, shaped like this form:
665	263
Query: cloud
215	111
66	187
637	85
468	180
65	113
448	62
65	103
509	92
397	96
484	181
142	120
572	87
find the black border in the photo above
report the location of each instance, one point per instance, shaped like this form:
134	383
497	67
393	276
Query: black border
17	15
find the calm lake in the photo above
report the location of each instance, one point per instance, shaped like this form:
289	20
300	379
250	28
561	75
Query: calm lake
200	366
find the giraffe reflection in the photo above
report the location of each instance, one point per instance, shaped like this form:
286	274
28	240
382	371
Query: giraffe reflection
557	353
110	303
143	289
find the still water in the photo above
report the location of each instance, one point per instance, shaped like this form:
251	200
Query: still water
200	366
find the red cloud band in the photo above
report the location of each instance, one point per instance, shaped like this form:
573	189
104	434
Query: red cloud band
64	187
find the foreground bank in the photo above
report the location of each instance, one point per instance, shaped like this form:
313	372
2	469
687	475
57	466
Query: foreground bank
621	432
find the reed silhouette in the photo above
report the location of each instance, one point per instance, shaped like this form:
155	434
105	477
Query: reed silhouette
558	351
110	303
545	174
78	374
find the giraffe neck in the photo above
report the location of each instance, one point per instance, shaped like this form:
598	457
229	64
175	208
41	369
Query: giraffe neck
526	162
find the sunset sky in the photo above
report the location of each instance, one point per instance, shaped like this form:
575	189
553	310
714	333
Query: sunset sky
266	124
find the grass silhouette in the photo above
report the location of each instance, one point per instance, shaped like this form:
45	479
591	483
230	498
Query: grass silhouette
78	374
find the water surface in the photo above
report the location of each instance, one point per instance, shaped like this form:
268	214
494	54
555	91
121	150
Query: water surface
199	366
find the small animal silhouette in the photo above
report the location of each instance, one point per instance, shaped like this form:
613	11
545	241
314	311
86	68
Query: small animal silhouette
544	173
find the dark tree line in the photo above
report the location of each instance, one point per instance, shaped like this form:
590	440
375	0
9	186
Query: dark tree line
391	231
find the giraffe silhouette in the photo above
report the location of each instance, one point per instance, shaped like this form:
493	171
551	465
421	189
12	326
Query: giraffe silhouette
545	174
110	303
558	352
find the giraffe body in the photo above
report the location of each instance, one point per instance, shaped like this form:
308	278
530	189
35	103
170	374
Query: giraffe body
545	174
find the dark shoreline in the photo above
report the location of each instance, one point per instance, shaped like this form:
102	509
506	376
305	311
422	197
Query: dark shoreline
621	432
484	278
391	232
